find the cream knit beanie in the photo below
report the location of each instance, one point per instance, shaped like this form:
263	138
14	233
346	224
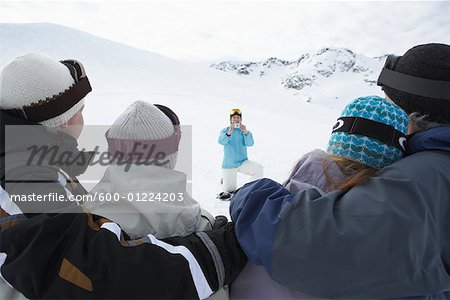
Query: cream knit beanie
33	77
144	121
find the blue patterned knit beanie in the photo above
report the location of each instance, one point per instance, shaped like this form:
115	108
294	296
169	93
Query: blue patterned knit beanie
369	151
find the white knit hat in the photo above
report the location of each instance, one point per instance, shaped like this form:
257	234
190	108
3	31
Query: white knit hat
33	77
144	121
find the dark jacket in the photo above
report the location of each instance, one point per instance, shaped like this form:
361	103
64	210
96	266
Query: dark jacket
387	238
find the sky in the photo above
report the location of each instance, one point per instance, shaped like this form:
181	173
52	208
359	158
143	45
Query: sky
246	30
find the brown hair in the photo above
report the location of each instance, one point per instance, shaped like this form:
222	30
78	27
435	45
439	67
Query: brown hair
356	172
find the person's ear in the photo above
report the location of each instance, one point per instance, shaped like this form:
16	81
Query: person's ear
387	97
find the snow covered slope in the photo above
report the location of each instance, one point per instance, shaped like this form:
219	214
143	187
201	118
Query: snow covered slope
284	124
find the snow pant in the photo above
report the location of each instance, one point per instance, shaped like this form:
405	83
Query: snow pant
248	167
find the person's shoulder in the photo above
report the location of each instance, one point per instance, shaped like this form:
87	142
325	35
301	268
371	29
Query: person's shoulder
422	176
414	185
421	164
317	154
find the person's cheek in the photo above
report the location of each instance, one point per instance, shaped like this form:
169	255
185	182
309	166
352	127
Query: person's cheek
81	124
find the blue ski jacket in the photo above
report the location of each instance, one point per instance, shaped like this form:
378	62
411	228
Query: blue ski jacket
235	147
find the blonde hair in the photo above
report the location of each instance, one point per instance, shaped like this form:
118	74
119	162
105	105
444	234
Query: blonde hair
355	172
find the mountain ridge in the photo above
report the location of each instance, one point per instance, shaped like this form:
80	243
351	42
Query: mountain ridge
310	69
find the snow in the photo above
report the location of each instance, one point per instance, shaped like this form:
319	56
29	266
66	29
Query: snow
284	124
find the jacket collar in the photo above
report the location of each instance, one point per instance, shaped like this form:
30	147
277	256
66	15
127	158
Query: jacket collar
437	138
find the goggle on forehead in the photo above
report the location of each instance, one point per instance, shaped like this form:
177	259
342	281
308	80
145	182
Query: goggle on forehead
235	111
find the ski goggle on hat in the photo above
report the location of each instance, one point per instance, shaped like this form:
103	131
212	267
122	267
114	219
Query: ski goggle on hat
235	111
411	84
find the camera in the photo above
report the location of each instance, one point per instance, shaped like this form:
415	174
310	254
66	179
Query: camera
237	125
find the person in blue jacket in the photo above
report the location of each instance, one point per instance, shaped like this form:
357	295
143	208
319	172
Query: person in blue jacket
386	238
236	138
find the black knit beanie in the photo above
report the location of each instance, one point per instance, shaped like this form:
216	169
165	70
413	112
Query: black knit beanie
430	61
